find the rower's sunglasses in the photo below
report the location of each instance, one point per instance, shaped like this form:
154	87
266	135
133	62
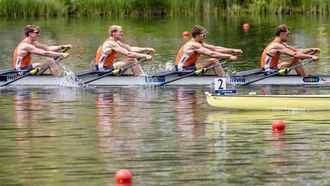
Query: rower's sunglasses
36	32
202	35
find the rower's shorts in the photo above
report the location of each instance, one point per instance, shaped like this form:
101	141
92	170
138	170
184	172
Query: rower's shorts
23	70
185	70
270	70
105	68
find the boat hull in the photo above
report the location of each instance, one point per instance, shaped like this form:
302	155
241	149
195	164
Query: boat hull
47	80
271	102
321	80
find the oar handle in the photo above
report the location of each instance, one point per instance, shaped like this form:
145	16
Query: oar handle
55	60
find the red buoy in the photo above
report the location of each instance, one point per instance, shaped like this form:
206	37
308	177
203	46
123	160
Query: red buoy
185	34
123	176
278	125
246	26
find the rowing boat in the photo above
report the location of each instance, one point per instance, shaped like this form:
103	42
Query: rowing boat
320	80
48	80
270	102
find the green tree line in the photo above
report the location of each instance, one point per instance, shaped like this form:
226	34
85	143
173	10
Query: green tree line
37	8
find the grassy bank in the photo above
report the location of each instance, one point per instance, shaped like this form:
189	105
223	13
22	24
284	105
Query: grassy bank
37	8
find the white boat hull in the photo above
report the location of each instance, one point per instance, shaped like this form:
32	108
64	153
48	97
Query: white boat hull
107	81
321	80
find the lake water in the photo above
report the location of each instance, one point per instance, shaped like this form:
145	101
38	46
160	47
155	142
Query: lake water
165	135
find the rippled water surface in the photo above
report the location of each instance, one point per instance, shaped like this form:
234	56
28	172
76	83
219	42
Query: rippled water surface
166	135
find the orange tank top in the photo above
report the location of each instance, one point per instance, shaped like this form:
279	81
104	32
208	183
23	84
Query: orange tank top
184	60
102	59
19	61
267	61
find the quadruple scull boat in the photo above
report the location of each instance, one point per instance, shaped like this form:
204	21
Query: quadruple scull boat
123	80
159	78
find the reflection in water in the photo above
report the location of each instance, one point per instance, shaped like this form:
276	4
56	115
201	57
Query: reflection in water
165	135
22	101
189	112
279	90
106	116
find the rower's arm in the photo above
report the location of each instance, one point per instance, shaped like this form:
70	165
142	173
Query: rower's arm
126	46
296	54
51	48
38	51
309	50
214	54
290	47
128	53
222	49
143	50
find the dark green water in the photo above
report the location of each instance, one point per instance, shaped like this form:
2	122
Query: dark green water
165	135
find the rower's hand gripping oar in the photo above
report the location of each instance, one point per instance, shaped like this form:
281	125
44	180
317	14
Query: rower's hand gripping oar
44	68
114	72
36	70
196	72
280	72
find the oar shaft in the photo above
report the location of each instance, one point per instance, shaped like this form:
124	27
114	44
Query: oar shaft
86	72
7	71
281	71
115	72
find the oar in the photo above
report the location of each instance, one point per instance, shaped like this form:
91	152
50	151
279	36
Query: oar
164	73
86	72
7	71
35	70
114	72
196	72
279	72
249	72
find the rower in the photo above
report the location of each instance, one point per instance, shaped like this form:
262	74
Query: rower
107	53
270	59
28	46
187	57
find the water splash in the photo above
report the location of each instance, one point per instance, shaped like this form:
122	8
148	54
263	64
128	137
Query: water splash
69	78
169	65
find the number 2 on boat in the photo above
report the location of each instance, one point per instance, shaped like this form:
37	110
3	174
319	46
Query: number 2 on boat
220	84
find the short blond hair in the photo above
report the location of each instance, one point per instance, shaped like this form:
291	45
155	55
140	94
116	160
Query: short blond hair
114	28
